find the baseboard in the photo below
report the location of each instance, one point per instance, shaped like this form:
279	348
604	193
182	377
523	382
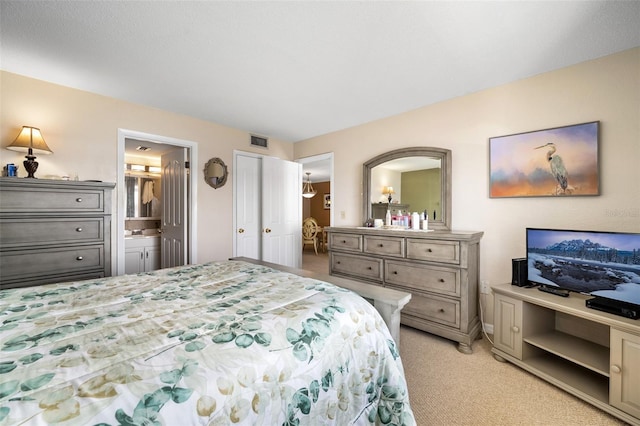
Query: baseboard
488	328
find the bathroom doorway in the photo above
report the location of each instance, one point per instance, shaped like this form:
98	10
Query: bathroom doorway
143	152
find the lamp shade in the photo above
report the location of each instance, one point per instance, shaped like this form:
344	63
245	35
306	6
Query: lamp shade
30	137
307	188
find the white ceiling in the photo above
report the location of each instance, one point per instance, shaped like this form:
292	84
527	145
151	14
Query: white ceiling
298	69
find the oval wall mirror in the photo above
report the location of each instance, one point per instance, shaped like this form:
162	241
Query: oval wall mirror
215	173
409	179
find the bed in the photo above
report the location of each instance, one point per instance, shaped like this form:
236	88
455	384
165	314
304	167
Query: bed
220	343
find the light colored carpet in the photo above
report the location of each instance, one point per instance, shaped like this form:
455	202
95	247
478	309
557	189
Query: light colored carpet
447	387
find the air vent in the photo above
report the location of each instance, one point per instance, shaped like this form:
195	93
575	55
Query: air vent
143	148
259	141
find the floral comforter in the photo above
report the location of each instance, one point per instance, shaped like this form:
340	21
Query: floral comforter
213	344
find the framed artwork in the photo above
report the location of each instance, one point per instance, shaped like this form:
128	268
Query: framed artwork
327	201
562	161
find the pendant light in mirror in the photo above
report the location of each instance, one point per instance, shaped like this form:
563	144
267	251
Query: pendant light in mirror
307	188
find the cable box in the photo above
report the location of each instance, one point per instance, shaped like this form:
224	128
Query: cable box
616	307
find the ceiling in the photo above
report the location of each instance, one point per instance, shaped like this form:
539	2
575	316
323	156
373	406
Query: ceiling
298	69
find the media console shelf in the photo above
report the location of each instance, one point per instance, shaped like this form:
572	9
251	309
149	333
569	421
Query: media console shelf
588	353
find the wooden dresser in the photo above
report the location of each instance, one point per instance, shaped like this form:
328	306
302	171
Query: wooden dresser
53	231
439	268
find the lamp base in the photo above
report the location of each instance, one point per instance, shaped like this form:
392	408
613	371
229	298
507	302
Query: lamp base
30	165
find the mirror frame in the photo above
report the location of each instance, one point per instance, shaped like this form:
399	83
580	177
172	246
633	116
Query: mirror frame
444	155
207	178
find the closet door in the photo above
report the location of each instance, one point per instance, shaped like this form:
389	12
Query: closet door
282	212
248	213
268	209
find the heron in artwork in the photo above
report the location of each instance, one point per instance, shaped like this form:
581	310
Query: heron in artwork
557	167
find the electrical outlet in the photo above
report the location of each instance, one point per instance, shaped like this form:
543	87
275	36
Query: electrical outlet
484	287
343	214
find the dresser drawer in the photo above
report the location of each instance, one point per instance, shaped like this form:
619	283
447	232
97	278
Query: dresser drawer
34	200
423	278
435	251
348	242
65	260
358	266
50	279
386	246
432	308
29	232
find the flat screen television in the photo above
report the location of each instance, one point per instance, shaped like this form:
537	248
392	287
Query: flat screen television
601	264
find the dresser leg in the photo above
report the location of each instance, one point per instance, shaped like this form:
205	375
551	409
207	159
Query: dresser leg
465	348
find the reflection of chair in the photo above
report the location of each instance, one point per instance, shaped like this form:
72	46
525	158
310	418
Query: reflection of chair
310	231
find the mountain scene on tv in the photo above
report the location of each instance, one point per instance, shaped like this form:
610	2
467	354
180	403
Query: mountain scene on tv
601	264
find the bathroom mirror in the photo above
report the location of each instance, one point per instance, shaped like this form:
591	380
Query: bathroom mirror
142	195
215	173
421	180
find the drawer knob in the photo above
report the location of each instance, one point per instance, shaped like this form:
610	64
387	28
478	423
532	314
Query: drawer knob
338	262
441	310
395	272
79	258
369	267
78	229
78	200
616	368
429	250
380	245
515	329
441	280
344	241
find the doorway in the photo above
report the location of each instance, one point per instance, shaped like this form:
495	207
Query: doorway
161	144
320	207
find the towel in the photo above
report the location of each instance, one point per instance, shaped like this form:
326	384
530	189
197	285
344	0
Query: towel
147	192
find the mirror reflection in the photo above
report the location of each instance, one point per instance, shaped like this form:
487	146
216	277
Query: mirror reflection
215	173
142	195
409	180
410	184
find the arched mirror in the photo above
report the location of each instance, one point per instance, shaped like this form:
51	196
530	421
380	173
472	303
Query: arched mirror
409	179
215	173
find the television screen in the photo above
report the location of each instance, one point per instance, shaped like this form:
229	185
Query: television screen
603	264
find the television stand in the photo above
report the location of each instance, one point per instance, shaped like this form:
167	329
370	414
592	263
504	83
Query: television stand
591	354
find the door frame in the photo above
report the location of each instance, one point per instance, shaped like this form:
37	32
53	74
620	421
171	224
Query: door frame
117	232
314	158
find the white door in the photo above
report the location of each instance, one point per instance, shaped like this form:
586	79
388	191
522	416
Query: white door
268	209
174	208
247	177
282	212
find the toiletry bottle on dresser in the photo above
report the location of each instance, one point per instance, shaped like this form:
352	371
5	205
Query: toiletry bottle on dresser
415	221
387	218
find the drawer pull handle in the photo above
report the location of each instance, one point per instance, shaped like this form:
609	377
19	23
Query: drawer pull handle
615	368
78	229
78	200
429	250
338	262
441	310
380	245
515	329
369	267
79	258
441	280
344	241
395	272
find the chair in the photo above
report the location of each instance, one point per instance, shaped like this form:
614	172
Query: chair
310	230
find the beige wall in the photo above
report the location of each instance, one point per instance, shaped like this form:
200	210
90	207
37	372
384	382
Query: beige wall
81	129
606	89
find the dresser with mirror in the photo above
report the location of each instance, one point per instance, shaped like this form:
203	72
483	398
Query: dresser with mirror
438	266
